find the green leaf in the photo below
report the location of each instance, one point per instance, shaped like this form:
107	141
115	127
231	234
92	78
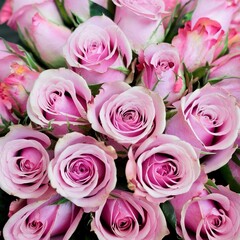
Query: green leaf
169	213
95	89
235	158
201	71
227	175
98	10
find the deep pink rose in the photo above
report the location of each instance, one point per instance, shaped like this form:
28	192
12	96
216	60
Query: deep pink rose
83	170
162	71
198	44
208	214
97	49
156	168
127	114
208	119
43	220
141	21
124	216
80	8
59	99
24	161
42	28
221	11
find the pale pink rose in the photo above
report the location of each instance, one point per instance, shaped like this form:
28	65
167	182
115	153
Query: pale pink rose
83	170
221	11
208	119
80	8
40	24
11	62
162	71
59	99
16	81
19	83
208	214
235	23
228	68
127	114
199	44
141	21
97	49
24	161
43	220
124	216
7	105
156	168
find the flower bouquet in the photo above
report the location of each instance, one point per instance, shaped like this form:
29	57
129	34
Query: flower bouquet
120	120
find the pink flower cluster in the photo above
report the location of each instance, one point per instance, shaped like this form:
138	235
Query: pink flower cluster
122	119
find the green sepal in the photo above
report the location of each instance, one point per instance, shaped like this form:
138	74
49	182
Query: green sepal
60	201
63	13
122	69
95	89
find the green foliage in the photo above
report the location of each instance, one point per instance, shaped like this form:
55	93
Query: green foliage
170	216
228	177
63	13
98	10
95	89
177	21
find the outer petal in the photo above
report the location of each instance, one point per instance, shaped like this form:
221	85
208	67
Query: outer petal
55	36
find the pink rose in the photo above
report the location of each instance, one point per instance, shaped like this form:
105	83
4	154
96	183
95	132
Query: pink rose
6	11
141	21
156	168
97	49
59	99
221	11
43	219
235	23
80	8
208	118
208	214
16	81
162	71
127	114
198	44
39	22
124	216
24	161
83	170
228	68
